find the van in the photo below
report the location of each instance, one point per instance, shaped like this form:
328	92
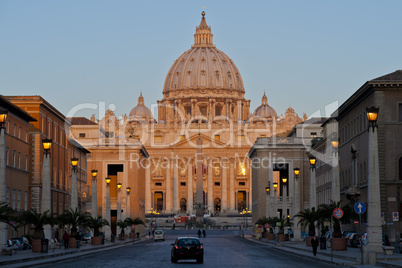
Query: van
159	235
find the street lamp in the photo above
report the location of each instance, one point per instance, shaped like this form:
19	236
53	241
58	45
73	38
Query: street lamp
373	187
3	226
313	190
118	201
94	205
74	183
372	114
128	190
296	172
312	160
107	212
335	193
47	144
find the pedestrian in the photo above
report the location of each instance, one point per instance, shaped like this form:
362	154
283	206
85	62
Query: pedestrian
203	233
314	244
78	238
66	237
199	233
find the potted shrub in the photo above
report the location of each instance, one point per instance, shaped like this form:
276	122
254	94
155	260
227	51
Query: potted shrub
32	216
338	242
74	218
132	221
122	225
284	222
95	223
308	217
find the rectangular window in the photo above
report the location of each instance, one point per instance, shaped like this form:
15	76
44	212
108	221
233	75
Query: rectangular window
26	162
55	133
218	110
26	135
263	135
242	183
158	184
182	137
217	137
313	134
25	200
15	130
19	200
19	132
7	195
19	160
14	162
400	112
182	184
82	135
14	199
158	138
217	183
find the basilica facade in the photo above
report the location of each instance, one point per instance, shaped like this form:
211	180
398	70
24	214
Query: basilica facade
203	97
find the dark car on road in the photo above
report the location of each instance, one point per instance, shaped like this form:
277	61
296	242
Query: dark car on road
187	248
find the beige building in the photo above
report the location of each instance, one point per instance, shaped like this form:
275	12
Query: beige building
204	95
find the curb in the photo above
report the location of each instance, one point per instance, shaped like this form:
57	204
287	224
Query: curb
31	261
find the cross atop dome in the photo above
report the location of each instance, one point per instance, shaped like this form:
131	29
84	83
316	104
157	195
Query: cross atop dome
203	36
264	100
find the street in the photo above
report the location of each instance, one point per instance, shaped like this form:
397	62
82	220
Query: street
223	248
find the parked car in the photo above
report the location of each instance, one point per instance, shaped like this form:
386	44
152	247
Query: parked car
187	248
159	235
364	239
86	237
354	240
24	242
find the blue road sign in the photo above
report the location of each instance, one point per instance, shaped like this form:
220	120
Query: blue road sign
360	207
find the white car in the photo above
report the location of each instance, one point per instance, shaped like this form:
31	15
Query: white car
159	235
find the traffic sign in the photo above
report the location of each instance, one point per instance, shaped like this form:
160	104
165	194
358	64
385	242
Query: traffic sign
395	216
356	222
360	207
338	213
132	227
267	225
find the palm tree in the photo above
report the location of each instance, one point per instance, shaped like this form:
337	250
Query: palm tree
32	216
308	217
264	220
95	223
132	221
122	225
6	214
75	218
326	211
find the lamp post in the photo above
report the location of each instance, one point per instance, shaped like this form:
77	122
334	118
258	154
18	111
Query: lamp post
94	204
374	231
296	229
46	199
3	226
275	184
107	212
74	183
313	190
284	195
118	201
128	190
335	193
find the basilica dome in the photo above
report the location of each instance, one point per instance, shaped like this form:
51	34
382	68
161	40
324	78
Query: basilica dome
140	112
264	110
203	66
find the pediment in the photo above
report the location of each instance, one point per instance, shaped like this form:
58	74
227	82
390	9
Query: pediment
191	142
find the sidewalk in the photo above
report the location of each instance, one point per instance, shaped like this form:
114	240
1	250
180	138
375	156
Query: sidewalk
26	258
350	257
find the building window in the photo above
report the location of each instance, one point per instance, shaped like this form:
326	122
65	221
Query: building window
240	138
218	111
400	112
19	200
217	137
26	200
7	195
14	204
19	132
242	183
82	135
19	160
217	183
158	138
158	184
182	137
313	134
262	135
55	133
26	162
188	110
14	162
203	110
26	135
182	184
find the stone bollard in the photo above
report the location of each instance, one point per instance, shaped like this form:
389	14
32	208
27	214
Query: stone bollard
369	256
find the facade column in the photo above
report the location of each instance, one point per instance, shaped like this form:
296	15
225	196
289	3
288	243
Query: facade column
175	186
313	190
94	205
374	231
190	189
168	190
224	201
210	189
3	226
148	203
108	231
231	186
45	204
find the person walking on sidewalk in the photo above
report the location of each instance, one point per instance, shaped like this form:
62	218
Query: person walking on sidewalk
78	239
314	244
203	233
66	237
199	233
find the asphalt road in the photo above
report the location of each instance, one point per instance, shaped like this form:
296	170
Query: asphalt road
223	248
